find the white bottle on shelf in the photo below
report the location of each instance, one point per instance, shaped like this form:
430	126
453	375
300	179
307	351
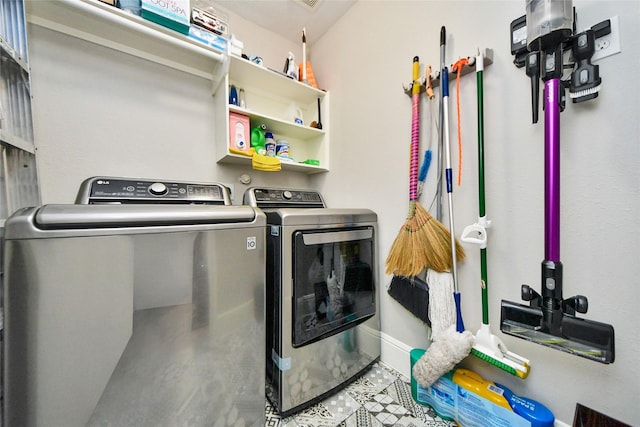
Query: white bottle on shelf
270	144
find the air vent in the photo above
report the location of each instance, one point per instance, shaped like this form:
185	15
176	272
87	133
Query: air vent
310	4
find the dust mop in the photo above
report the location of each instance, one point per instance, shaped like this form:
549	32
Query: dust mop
487	346
454	343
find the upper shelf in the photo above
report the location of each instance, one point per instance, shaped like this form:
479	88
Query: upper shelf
111	27
276	83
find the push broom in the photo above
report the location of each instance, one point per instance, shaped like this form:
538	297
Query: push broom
487	346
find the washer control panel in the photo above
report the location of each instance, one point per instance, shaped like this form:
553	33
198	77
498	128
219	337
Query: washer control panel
101	190
273	198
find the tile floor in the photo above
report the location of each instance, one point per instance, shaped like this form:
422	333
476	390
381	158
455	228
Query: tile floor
381	397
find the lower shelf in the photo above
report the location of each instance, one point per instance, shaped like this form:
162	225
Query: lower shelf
286	166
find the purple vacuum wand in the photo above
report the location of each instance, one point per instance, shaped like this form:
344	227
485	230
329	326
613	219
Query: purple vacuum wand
551	302
549	319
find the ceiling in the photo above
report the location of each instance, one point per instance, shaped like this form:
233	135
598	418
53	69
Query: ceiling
288	17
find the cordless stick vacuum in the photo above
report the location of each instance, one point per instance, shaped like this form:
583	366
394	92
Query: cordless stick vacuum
550	319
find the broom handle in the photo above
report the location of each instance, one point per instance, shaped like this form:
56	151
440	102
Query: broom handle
443	45
415	132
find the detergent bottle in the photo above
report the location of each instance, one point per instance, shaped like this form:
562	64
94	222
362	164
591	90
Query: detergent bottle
258	139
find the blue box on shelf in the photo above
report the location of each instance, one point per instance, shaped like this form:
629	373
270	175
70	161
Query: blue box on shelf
173	14
208	38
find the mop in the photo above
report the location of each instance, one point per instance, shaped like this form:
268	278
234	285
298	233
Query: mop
487	346
454	343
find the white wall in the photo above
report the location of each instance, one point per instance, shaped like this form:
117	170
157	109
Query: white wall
365	58
101	112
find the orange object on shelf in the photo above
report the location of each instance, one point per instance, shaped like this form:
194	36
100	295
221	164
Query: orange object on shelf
311	79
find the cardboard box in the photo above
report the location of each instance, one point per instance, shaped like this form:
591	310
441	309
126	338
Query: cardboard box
174	14
239	132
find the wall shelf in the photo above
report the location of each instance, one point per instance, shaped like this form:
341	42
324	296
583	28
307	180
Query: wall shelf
270	97
108	26
276	84
269	94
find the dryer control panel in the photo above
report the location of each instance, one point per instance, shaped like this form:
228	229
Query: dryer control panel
102	190
274	198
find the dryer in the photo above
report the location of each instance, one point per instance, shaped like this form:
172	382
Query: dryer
322	305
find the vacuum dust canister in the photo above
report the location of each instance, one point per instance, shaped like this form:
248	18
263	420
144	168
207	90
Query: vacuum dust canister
548	22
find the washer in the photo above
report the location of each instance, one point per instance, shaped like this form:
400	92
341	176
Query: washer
142	305
322	310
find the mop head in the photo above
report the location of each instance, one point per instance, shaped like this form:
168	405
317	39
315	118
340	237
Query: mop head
442	356
442	307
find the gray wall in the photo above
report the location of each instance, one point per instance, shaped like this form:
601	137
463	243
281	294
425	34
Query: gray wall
366	57
102	112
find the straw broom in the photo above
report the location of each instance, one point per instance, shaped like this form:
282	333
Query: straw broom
423	241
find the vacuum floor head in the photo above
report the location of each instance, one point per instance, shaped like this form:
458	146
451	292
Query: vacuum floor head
581	337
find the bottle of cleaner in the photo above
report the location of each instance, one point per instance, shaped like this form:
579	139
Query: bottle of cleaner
233	96
270	144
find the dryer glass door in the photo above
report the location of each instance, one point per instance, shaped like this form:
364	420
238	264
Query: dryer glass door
333	281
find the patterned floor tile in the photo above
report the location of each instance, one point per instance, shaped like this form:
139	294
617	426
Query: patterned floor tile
379	398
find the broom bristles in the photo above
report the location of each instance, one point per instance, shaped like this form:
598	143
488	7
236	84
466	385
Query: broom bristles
423	242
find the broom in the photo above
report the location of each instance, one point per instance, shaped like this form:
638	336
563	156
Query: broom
423	242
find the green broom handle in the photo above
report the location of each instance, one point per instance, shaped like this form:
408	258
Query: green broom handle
483	251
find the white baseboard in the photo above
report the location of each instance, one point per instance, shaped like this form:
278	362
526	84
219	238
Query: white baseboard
395	354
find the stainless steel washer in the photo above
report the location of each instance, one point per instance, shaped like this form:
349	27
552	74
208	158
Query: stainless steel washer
142	307
322	310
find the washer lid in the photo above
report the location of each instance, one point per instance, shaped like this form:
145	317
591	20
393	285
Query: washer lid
56	220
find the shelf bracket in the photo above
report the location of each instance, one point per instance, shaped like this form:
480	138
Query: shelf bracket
220	69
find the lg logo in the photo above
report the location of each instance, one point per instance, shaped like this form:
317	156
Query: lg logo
251	243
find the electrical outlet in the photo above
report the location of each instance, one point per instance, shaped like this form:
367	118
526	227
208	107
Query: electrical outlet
610	44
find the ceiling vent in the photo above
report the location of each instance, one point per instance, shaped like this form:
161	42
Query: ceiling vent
309	4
